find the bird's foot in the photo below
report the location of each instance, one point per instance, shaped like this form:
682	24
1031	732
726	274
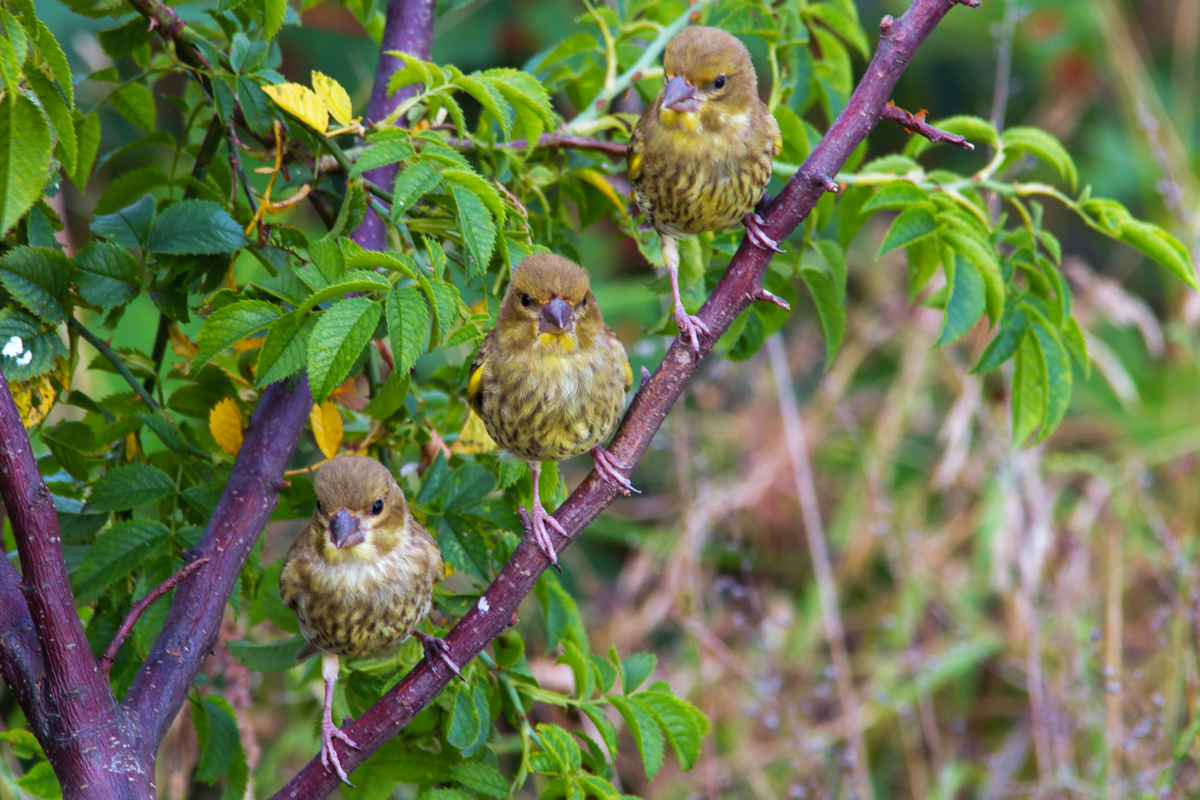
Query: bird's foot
539	518
329	756
437	648
612	470
691	327
758	237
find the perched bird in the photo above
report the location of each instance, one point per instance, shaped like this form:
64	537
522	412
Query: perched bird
700	157
549	381
360	577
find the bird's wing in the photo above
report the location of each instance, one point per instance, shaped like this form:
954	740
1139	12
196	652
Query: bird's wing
437	565
636	145
289	578
773	132
478	368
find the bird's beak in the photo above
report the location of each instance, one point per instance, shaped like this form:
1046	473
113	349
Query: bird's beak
344	529
679	95
557	317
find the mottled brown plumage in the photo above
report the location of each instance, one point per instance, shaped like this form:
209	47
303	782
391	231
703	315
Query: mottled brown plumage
361	576
549	381
700	157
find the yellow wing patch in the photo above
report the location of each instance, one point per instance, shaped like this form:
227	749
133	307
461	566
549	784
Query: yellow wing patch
474	381
628	375
635	166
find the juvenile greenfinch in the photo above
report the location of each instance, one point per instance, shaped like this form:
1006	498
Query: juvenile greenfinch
360	577
700	157
549	380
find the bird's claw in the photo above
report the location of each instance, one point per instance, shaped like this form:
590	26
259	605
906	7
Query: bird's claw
329	756
758	237
538	520
690	326
435	647
611	470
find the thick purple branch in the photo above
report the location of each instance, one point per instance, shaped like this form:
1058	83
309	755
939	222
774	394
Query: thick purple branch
741	285
246	504
408	28
20	651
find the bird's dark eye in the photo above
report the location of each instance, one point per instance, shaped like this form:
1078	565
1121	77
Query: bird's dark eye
377	509
719	83
526	300
584	303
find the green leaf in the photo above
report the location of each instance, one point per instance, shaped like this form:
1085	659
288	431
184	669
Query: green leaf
446	305
414	181
608	731
195	227
795	139
910	226
1038	143
68	441
388	146
129	227
984	259
835	259
24	744
135	102
285	350
831	311
490	98
1028	390
40	781
645	730
230	324
843	24
463	721
59	113
897	194
256	106
477	228
563	621
965	306
1009	335
635	669
124	39
413	70
269	656
606	673
24	157
129	487
38	278
276	12
683	723
217	735
338	337
117	551
128	187
87	133
561	746
107	275
1162	247
1057	377
480	777
39	345
1077	345
522	90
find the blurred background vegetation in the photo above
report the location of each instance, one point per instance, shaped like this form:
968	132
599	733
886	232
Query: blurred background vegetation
1016	623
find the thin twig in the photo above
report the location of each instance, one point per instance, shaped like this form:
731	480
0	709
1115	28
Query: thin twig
814	530
915	123
549	141
1004	48
113	358
110	653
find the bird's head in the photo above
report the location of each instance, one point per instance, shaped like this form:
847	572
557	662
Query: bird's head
550	304
361	512
709	80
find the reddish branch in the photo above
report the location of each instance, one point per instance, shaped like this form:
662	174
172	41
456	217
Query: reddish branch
135	613
741	284
551	141
246	504
915	123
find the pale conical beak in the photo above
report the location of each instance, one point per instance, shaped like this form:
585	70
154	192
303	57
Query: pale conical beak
557	317
344	529
679	95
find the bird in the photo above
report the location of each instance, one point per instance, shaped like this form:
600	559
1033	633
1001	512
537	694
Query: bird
700	157
549	380
360	577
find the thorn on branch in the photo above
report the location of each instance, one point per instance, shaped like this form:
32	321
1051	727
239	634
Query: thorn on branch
970	3
885	24
821	179
915	123
645	375
110	652
764	296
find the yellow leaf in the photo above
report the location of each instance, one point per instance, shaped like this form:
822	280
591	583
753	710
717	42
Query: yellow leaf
327	427
131	446
180	343
248	344
334	97
473	439
225	423
302	103
598	180
33	400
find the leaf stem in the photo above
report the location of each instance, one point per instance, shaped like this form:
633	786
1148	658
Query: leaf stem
115	359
